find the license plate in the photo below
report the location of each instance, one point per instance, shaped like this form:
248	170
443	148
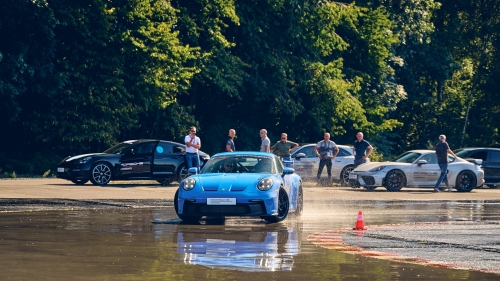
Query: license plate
353	176
60	170
221	201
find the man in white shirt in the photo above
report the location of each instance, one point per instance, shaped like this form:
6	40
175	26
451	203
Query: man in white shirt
193	143
265	142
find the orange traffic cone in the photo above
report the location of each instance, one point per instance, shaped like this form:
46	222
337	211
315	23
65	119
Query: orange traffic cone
360	223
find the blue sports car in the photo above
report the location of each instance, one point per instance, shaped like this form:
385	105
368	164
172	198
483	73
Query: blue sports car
240	184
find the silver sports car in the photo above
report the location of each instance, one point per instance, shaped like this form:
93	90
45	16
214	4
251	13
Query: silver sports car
418	168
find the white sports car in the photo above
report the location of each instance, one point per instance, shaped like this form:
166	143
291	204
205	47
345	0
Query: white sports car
418	168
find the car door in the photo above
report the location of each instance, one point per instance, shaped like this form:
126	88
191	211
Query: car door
136	163
167	157
424	174
306	167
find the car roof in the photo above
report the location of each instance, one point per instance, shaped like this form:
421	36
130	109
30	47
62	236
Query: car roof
422	151
478	148
245	153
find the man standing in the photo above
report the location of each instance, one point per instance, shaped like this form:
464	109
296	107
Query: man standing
265	142
361	149
230	141
442	150
193	143
283	148
325	151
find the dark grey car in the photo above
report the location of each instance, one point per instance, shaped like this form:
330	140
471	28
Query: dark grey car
490	165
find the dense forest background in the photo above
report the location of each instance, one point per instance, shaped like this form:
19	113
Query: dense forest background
80	76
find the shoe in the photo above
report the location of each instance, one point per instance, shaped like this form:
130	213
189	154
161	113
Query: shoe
450	189
437	190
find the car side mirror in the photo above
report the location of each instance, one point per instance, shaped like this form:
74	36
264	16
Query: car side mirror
421	162
300	155
193	170
288	171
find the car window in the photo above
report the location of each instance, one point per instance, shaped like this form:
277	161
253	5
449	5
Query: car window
407	157
494	156
119	148
343	152
279	164
144	148
307	150
178	149
478	155
239	164
163	148
430	158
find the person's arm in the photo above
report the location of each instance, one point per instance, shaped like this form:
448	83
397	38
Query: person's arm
450	152
273	148
316	152
336	152
228	148
198	145
188	141
370	149
294	146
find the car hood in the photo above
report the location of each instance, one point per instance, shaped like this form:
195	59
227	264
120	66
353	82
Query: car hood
368	166
228	181
71	158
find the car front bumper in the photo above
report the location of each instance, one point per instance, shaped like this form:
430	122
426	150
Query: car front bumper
368	179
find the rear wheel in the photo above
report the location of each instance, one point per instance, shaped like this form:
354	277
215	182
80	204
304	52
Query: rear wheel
101	174
395	180
466	181
183	217
283	206
344	175
79	182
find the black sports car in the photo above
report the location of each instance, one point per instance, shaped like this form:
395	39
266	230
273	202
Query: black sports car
159	160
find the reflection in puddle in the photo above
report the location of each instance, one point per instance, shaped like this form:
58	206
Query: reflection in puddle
268	248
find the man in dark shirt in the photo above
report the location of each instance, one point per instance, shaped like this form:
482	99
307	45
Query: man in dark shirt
230	141
442	150
362	150
283	148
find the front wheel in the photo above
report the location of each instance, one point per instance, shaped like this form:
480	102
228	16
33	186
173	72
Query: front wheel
395	180
283	206
183	217
182	173
466	181
344	175
101	174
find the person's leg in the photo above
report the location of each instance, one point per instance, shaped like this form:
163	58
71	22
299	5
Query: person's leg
329	169
320	169
196	161
443	168
445	178
189	160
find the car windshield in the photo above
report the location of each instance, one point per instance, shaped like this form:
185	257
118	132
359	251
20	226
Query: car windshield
407	157
119	148
239	164
461	152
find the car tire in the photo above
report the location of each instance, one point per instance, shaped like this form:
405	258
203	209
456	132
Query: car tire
395	180
101	173
283	207
182	173
344	175
183	217
79	182
466	181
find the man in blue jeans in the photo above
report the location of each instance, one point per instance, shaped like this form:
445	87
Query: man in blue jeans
193	143
442	150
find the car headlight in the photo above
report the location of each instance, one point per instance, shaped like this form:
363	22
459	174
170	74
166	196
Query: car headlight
84	160
189	183
376	169
265	184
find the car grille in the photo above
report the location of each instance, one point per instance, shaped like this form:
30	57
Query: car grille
220	210
224	210
490	172
369	180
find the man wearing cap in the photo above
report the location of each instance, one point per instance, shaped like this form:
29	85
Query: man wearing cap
442	150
